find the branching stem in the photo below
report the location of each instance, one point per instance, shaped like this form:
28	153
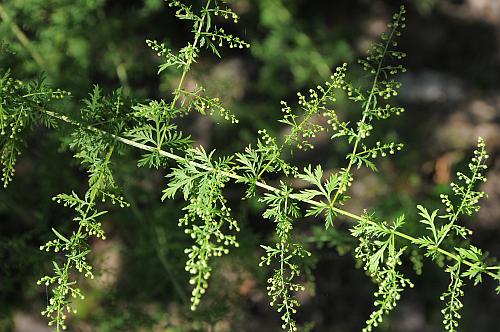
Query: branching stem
67	265
462	203
186	68
365	114
262	185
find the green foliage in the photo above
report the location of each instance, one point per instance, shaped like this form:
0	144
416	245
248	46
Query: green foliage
107	123
467	199
363	158
94	149
284	256
75	250
18	113
380	64
326	191
201	181
381	257
157	129
452	298
302	128
255	162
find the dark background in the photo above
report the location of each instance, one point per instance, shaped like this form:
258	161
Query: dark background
451	92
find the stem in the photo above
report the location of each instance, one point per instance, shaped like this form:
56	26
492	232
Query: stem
454	284
345	177
77	235
264	186
186	69
459	210
289	137
284	292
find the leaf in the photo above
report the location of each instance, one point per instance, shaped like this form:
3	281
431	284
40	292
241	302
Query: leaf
332	184
316	210
330	216
312	177
377	257
428	219
60	236
307	194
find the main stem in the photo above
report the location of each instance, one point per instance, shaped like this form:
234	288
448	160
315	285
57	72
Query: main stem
262	185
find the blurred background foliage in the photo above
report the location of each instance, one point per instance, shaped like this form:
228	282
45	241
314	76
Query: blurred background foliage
451	92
